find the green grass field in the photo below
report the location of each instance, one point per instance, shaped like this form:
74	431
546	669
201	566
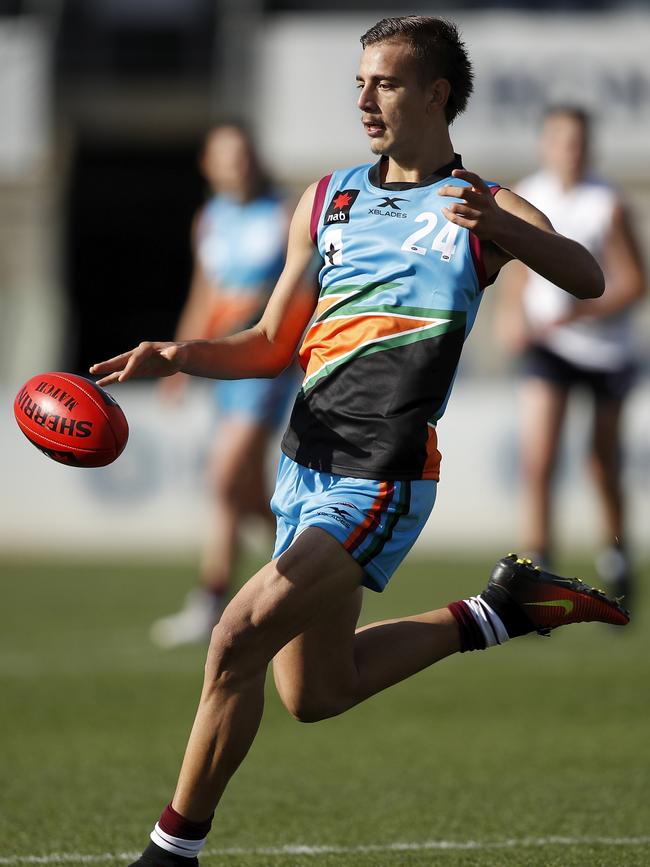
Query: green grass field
537	753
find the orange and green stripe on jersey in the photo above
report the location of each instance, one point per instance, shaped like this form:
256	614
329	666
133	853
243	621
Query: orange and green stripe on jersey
344	329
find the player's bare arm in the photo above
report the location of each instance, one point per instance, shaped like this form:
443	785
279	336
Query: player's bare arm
261	351
522	232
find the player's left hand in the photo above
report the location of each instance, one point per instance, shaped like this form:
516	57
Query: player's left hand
478	210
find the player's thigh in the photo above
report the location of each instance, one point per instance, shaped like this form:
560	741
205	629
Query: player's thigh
312	579
315	672
543	405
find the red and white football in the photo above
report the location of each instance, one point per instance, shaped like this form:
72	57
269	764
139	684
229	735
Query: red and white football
71	420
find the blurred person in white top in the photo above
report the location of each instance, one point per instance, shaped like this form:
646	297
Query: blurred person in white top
565	342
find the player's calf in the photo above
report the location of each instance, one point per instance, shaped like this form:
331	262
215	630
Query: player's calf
521	598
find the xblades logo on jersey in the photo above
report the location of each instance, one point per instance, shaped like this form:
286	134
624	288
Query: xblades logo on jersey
339	207
387	202
388	207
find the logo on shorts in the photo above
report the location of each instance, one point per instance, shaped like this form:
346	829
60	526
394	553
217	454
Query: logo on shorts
339	207
342	516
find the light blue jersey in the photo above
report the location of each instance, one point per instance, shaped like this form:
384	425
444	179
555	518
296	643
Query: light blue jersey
400	289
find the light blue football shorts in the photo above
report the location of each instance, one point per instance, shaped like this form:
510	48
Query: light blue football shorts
377	522
263	401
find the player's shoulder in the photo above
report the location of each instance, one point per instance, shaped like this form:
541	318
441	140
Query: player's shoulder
344	174
341	181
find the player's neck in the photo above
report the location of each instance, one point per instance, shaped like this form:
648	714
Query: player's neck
414	168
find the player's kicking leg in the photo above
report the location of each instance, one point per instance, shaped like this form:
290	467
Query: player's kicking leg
331	667
323	665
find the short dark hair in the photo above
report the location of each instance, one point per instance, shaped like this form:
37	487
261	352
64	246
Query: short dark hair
437	48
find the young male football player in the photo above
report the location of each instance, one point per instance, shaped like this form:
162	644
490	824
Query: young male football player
406	247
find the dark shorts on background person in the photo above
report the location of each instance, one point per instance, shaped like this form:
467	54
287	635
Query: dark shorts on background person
541	363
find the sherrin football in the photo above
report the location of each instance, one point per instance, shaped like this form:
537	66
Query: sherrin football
71	420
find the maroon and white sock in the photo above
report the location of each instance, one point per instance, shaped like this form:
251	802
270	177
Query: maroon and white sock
179	835
480	626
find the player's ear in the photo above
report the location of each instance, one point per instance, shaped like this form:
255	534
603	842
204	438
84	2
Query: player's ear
439	91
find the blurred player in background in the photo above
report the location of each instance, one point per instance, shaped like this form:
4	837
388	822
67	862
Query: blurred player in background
567	342
239	241
406	247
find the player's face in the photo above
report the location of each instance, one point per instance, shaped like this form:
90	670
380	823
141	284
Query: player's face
227	163
564	146
395	107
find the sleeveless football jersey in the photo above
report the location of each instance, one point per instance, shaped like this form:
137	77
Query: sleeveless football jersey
241	247
400	287
584	213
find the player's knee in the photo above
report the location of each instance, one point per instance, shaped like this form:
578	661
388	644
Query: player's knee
311	709
232	658
307	712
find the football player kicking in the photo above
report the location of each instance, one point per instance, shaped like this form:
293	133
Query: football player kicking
406	247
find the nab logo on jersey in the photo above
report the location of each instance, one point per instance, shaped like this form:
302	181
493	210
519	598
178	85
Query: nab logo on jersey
339	208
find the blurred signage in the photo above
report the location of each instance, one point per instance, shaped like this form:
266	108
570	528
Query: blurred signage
523	61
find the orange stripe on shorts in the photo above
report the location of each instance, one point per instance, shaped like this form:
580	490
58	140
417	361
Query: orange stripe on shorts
381	503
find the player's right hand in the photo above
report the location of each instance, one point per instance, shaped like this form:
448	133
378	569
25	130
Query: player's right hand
145	361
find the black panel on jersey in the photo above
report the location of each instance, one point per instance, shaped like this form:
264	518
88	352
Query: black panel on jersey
368	419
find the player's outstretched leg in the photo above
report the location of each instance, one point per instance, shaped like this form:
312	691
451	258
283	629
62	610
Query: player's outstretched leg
521	598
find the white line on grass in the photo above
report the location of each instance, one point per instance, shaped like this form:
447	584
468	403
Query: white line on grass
298	849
